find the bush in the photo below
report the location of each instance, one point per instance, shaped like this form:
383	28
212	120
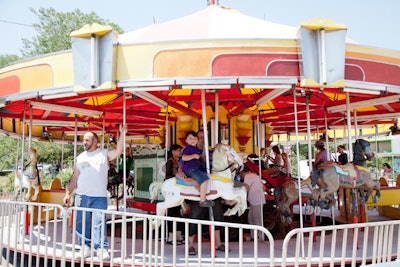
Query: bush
65	176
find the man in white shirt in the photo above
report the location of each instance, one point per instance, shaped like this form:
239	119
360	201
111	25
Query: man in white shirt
90	181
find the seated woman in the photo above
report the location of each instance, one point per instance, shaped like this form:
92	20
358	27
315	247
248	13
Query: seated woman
387	172
277	162
171	169
287	167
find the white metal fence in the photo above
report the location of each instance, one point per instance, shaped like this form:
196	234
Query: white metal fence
31	229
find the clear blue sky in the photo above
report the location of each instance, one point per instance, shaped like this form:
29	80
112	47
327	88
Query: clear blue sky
370	22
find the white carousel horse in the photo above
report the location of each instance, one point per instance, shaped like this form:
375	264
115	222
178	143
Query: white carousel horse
28	178
225	163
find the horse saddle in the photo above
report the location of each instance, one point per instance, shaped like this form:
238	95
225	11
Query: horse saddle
185	183
349	172
182	183
30	175
191	188
346	170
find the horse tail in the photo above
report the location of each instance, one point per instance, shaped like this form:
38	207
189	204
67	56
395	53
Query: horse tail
184	207
154	188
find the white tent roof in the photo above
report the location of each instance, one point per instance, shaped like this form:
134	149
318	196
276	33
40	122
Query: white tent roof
213	22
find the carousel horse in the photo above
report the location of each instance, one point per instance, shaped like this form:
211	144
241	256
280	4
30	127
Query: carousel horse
350	176
394	129
273	181
286	195
115	179
28	178
332	176
225	164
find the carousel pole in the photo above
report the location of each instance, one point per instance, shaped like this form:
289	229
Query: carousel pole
216	117
124	155
313	220
210	209
329	156
335	145
26	230
296	124
327	136
259	166
62	150
376	147
258	142
350	155
75	138
123	136
71	220
356	131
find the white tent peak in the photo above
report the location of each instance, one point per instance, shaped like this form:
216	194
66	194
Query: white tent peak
213	22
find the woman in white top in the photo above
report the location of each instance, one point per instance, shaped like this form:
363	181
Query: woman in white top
386	171
277	162
287	167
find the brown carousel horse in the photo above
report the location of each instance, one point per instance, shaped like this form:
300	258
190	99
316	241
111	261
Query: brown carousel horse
287	194
332	176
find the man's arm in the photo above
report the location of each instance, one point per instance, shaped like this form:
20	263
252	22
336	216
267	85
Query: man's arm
71	186
113	154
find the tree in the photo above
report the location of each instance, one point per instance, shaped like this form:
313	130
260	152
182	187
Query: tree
7	151
5	59
54	30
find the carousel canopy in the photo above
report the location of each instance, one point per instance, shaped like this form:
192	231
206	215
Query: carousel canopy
213	22
245	65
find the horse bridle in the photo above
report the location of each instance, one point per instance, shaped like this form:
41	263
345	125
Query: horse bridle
228	167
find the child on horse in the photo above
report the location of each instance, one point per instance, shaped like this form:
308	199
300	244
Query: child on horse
192	166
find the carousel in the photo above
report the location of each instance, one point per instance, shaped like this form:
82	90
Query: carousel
246	82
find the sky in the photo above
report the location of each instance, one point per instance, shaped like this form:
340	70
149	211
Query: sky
369	22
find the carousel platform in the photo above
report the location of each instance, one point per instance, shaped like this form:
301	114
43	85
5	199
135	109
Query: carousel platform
47	244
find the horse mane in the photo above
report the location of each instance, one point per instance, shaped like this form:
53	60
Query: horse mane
358	153
33	155
220	159
33	162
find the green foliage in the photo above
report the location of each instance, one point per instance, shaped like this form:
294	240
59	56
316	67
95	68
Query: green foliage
54	30
303	152
65	176
6	59
8	183
7	151
48	152
45	179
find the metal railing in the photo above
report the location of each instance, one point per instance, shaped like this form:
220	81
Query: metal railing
38	234
342	245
